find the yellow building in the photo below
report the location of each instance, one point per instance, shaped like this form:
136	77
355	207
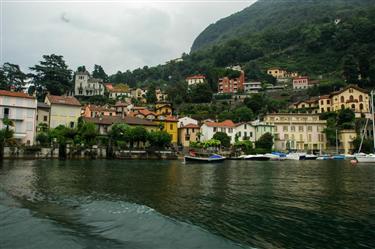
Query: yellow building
301	132
64	110
346	138
168	124
188	133
277	72
351	97
163	108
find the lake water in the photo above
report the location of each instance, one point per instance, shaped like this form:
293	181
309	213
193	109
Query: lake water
166	204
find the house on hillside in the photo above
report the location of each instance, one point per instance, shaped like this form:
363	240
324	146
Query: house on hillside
98	111
188	133
195	79
85	85
118	91
185	121
252	87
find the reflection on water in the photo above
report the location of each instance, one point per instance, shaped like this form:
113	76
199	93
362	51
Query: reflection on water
165	204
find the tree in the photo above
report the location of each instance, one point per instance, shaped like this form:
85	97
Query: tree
140	134
265	142
87	133
159	139
14	77
151	94
42	139
5	135
223	138
346	119
81	69
200	93
99	73
350	69
52	75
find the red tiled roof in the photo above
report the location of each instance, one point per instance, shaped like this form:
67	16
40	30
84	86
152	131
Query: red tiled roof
171	119
15	94
146	112
121	104
325	97
109	86
226	123
193	126
347	87
301	78
198	76
99	108
63	100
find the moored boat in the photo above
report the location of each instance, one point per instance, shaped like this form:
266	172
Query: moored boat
364	158
259	157
311	157
211	159
296	156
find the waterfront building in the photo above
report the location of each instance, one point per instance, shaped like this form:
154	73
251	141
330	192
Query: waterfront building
98	111
301	132
351	97
253	87
208	129
185	121
195	79
119	91
85	85
168	123
21	109
188	133
65	110
43	113
262	128
105	123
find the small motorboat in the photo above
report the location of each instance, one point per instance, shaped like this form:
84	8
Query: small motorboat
259	157
193	157
324	157
296	156
338	157
275	157
311	157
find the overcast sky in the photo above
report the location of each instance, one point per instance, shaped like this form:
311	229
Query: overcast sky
118	35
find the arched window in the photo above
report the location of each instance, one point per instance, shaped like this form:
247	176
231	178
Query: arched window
353	106
342	106
351	98
361	106
360	98
342	99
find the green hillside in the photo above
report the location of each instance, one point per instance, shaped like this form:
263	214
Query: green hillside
277	15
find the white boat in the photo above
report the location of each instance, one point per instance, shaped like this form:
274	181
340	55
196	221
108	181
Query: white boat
212	159
311	157
296	156
258	157
274	157
364	158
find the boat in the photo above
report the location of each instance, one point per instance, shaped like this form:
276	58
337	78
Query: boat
311	157
338	157
365	158
275	157
324	157
203	157
296	156
259	157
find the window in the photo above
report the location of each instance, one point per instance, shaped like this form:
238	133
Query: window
6	112
293	128
285	128
353	106
71	124
251	134
45	118
30	113
328	109
351	98
171	126
215	129
245	134
328	102
360	98
230	130
342	99
110	114
309	137
350	90
342	106
309	128
300	128
322	110
286	137
361	106
245	126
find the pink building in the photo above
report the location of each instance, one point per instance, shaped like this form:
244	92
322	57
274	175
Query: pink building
301	83
20	108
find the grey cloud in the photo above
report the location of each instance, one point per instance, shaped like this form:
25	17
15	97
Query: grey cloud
118	36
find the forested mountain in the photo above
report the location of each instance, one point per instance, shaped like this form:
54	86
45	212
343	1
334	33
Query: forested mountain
280	16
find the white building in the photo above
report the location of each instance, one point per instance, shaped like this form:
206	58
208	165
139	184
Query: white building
85	85
245	131
252	87
185	121
21	109
195	79
116	92
301	83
